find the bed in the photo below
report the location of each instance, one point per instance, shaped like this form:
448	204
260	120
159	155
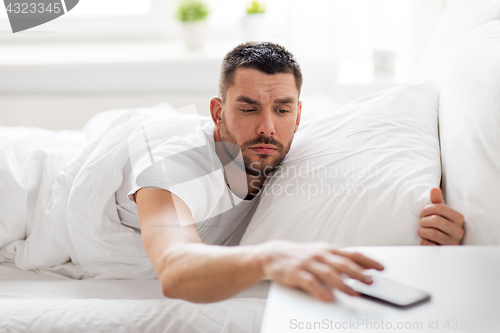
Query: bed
89	294
32	302
60	275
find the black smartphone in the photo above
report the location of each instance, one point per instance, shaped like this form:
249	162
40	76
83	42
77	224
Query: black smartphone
390	291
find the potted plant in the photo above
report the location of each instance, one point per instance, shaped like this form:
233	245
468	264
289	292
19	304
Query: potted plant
193	15
254	25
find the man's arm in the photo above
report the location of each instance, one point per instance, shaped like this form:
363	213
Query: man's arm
197	272
440	224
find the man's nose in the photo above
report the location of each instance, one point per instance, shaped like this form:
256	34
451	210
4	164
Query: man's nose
266	125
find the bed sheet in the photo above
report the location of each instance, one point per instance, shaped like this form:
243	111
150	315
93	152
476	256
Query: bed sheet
31	302
50	302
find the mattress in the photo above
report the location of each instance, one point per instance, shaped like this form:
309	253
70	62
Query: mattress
32	302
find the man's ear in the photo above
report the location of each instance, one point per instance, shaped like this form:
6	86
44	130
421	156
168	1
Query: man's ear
216	111
299	113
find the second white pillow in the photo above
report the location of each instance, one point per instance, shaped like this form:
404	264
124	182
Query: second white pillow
357	177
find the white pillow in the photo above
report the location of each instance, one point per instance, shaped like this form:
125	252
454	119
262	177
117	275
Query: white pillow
99	123
469	123
362	175
459	17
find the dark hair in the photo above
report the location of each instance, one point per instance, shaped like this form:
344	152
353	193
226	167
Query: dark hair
266	57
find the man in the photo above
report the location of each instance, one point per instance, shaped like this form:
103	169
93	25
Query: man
259	111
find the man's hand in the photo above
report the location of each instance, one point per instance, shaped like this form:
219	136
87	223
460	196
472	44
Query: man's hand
190	270
315	267
439	223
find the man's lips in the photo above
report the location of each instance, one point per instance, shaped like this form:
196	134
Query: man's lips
264	149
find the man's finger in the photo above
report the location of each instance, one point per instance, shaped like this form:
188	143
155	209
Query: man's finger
427	242
436	236
444	211
436	195
308	282
329	277
349	267
442	224
360	259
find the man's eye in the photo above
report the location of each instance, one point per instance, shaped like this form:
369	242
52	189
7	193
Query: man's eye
248	110
282	111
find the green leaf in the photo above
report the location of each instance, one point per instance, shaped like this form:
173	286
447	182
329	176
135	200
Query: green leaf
256	7
192	10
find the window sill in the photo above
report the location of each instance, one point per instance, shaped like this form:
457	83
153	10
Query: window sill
143	67
109	67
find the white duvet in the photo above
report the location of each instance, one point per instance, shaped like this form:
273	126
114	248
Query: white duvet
58	217
31	302
58	199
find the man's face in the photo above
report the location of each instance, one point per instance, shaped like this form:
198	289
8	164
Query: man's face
261	113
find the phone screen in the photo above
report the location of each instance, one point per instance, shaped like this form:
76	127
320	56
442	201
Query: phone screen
389	290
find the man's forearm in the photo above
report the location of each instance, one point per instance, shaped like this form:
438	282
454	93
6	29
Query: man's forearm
207	273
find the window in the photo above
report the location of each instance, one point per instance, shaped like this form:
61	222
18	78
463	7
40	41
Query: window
335	40
99	20
112	8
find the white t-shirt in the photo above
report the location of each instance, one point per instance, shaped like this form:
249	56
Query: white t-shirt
221	217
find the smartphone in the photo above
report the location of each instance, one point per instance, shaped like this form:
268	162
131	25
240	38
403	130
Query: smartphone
388	290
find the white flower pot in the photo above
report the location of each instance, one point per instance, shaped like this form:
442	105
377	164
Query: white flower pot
254	27
195	35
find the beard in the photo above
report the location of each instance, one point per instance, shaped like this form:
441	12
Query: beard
266	163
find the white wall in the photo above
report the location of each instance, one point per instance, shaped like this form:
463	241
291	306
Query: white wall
49	80
72	111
